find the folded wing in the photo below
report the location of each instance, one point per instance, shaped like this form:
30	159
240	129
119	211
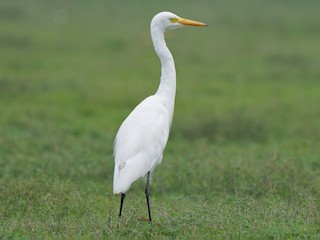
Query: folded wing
140	142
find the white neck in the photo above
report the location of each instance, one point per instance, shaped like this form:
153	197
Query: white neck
167	87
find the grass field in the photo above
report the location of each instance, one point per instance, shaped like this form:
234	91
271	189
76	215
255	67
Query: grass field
243	159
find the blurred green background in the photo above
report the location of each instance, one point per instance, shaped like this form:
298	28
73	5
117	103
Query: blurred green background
243	157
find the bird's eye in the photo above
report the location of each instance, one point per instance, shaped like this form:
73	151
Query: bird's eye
171	19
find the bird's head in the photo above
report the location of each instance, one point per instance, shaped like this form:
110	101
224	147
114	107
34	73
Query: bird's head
168	20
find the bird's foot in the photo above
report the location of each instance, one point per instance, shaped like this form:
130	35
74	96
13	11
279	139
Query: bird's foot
145	220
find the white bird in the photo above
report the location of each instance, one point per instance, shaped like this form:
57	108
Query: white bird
143	135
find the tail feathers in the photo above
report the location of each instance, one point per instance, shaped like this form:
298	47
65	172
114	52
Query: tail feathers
121	187
124	177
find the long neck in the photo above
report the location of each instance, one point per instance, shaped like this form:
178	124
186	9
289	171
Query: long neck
167	87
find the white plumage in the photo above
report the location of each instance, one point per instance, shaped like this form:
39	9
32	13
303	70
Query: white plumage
140	142
143	135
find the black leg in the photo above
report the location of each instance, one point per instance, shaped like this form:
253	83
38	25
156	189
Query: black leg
121	203
147	196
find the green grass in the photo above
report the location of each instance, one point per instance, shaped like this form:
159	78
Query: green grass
242	161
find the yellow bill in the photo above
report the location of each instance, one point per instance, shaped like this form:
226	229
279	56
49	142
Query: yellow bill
188	22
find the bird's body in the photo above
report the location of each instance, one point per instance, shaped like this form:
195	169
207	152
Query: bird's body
140	142
143	135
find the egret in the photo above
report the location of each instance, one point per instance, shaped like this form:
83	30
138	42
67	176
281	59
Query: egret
142	137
